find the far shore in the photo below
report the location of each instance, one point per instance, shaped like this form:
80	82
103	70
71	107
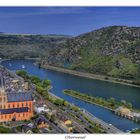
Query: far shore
82	74
89	75
6	59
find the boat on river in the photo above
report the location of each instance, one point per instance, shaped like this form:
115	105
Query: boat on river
23	66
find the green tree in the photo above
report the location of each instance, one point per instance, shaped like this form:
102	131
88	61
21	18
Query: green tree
5	130
123	102
22	73
59	101
46	83
39	89
66	103
35	79
75	108
129	105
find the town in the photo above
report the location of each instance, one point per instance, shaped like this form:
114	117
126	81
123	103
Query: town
27	106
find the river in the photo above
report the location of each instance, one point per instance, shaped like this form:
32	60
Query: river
99	88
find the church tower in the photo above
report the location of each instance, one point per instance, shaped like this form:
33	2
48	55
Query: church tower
2	81
3	95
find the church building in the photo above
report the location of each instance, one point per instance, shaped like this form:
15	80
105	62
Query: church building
14	106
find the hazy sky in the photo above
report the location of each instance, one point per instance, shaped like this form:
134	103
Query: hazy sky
65	20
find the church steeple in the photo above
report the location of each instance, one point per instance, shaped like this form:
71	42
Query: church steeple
2	81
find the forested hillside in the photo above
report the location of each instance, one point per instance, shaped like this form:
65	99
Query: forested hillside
22	46
112	51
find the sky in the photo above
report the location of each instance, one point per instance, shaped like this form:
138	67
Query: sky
65	20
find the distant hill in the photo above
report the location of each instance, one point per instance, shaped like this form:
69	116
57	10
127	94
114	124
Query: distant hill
21	46
113	51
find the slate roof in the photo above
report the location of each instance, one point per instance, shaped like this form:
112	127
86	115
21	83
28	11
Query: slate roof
12	110
26	128
19	97
40	120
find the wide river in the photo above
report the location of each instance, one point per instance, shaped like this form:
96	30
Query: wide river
99	88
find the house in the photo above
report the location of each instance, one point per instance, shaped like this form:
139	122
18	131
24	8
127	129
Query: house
136	116
124	112
41	109
65	120
65	124
27	129
41	122
68	122
66	128
31	125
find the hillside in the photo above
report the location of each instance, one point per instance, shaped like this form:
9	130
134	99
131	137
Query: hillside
112	51
22	46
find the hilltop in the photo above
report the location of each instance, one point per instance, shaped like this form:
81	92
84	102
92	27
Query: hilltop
112	51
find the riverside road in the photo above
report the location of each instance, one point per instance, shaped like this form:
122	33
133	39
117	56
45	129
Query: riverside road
108	128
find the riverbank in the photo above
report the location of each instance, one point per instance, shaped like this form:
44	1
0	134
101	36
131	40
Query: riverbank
110	104
83	74
91	76
85	100
35	59
53	95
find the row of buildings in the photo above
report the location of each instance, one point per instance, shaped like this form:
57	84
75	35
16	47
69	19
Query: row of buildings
18	104
15	105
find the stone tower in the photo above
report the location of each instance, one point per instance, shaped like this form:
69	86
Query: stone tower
3	95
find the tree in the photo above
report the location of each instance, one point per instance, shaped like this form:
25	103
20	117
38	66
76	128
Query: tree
66	103
35	79
123	102
5	130
75	108
59	101
39	89
111	100
22	73
46	83
129	105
